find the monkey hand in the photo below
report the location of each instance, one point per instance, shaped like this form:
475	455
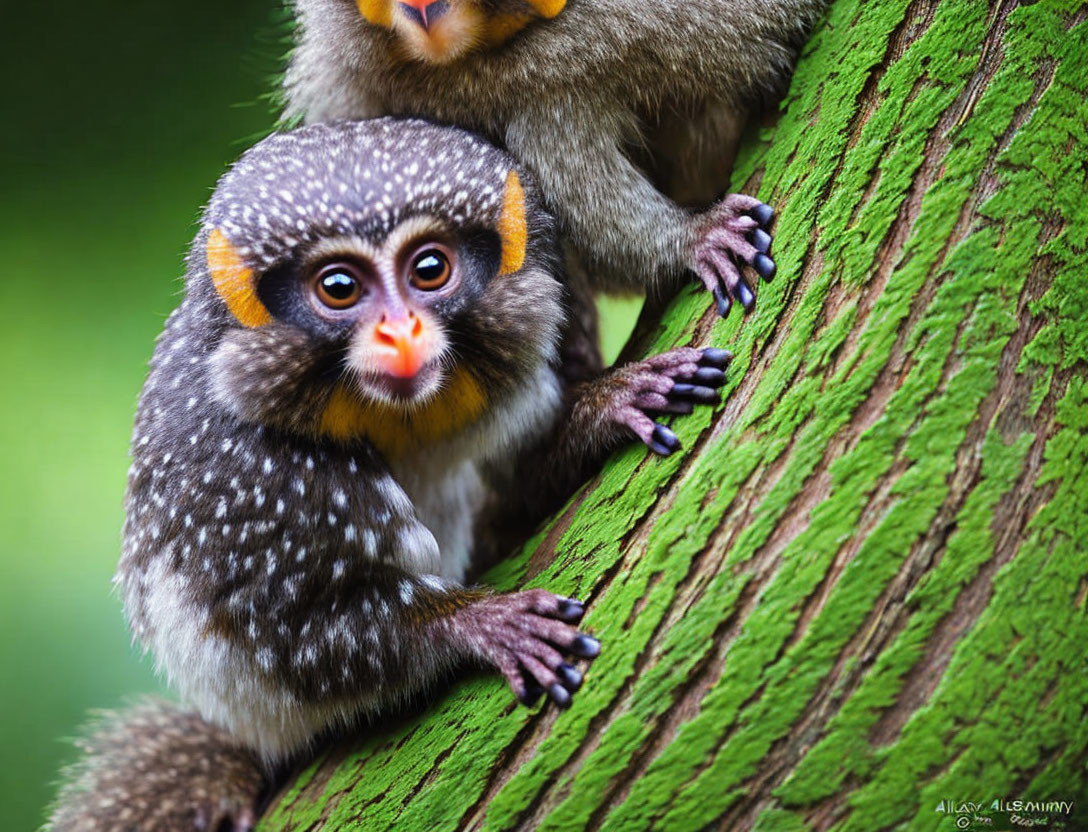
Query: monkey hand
525	635
672	382
733	231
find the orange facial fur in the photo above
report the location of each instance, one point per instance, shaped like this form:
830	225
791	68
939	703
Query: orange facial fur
233	281
513	230
503	27
396	431
548	8
378	12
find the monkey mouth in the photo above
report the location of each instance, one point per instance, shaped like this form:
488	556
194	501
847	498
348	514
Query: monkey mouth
401	391
434	31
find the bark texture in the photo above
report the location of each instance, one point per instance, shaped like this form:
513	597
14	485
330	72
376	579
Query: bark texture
861	591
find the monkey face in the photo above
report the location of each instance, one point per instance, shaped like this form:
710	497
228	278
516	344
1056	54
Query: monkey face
439	31
389	279
391	311
397	344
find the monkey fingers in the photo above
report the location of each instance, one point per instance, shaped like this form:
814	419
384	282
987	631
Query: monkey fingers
734	231
695	377
525	635
670	382
212	816
701	381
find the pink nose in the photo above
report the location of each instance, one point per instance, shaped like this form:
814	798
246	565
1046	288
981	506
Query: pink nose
424	12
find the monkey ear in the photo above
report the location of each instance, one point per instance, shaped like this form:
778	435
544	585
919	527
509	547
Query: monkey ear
513	231
233	280
378	12
545	8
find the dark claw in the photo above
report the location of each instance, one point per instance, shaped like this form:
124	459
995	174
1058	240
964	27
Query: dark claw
723	301
533	692
760	239
744	294
665	437
716	358
586	646
569	676
571	610
709	377
560	695
703	395
763	214
706	395
764	265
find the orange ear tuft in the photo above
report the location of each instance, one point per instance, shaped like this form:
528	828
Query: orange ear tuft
548	8
378	12
234	282
502	27
512	227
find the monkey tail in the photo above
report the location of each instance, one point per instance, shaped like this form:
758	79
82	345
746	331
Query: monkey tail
156	767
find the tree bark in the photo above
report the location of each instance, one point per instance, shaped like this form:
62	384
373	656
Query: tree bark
859	596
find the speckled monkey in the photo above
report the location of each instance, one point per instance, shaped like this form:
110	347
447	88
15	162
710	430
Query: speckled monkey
367	344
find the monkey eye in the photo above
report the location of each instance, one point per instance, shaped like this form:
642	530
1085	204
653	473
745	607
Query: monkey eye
338	286
430	270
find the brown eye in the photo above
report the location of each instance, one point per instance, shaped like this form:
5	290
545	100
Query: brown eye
337	286
430	270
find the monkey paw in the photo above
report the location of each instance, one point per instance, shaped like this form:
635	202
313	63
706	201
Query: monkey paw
525	635
672	382
733	231
213	816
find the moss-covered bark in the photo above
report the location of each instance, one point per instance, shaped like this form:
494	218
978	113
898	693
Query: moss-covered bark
862	590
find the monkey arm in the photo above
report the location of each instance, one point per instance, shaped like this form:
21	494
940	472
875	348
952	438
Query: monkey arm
383	634
632	235
601	415
603	201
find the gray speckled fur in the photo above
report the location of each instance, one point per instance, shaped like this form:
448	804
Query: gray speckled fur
569	97
354	179
288	582
274	574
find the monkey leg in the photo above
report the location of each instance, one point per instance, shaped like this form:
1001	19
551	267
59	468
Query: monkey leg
735	230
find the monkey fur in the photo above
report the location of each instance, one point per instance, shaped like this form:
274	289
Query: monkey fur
624	110
367	349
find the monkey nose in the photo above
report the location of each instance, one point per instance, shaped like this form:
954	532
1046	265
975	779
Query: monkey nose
424	12
399	345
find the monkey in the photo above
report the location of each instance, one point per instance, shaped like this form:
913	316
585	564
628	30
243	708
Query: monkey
624	110
369	337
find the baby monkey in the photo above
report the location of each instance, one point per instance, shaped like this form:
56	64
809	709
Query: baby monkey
366	350
625	111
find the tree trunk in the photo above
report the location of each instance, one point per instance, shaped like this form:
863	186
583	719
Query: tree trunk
859	598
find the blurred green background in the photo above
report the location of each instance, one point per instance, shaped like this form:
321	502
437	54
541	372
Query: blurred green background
118	118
